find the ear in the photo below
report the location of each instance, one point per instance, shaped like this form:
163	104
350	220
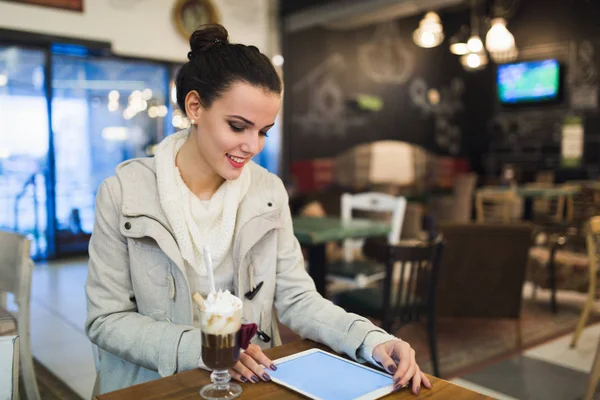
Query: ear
193	106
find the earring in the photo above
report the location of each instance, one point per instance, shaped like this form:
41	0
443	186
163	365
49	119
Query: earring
192	122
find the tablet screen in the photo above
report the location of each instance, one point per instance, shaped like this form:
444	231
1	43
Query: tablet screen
328	377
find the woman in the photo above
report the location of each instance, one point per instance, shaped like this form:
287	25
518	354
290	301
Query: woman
201	188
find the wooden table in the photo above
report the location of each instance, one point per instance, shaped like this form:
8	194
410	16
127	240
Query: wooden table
314	233
186	385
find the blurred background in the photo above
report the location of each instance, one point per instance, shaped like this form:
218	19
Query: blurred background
405	123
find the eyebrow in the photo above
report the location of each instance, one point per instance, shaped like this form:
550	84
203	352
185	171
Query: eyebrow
249	122
243	119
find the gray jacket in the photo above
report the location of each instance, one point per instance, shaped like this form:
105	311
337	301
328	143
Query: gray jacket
138	297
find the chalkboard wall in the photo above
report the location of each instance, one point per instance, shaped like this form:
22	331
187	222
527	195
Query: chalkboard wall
427	97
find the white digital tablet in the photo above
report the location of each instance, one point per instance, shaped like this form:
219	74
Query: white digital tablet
324	376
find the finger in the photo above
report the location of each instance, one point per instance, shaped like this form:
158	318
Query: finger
237	376
260	357
408	375
387	362
426	381
416	381
406	356
241	369
252	365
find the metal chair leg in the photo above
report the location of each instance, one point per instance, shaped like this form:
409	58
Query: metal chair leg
587	308
552	279
431	327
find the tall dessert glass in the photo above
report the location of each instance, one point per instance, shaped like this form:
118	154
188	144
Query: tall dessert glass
220	325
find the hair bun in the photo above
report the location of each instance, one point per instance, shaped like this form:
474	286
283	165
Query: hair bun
206	37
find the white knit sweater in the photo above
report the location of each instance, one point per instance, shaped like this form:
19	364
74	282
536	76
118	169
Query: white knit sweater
196	223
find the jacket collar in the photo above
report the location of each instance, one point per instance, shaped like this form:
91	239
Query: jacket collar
140	199
140	192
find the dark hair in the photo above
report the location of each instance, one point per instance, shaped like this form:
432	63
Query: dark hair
215	64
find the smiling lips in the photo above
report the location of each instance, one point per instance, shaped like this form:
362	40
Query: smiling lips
236	162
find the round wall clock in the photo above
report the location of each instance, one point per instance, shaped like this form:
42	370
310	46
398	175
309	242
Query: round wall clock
190	14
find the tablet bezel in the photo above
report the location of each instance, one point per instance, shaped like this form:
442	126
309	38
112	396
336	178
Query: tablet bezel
376	394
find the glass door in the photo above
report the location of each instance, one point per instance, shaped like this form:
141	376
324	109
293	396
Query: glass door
104	111
24	141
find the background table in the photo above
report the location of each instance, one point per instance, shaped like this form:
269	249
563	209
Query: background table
186	385
314	233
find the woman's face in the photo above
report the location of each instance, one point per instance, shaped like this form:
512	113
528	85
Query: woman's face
234	128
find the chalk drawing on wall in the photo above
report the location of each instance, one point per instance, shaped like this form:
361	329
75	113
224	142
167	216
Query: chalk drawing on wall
584	80
325	113
386	58
444	105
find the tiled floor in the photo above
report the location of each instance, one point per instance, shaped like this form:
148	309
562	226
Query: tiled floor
550	371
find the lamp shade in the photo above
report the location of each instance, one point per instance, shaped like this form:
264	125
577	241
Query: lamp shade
500	43
430	32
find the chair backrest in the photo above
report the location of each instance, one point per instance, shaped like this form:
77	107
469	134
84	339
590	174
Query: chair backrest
463	197
9	367
415	289
550	208
497	205
373	202
584	204
14	262
483	269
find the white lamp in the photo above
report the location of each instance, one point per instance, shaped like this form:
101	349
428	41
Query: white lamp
430	32
458	42
500	43
474	44
474	61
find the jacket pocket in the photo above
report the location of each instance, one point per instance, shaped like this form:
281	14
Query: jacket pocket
150	272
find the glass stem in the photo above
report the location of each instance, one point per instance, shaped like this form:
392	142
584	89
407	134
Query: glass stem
220	378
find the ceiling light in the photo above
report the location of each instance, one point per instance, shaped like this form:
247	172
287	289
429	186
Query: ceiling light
430	32
474	61
475	45
500	43
458	42
113	95
147	94
277	60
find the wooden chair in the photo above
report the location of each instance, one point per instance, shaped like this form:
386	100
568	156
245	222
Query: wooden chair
406	300
593	250
564	263
361	273
593	241
16	268
9	367
547	210
497	205
458	206
483	270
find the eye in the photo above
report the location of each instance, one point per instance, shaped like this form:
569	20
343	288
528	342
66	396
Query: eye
264	133
236	127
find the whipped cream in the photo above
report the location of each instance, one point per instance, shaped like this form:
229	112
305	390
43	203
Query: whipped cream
222	302
221	313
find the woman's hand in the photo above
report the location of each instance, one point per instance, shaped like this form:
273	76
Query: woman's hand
251	366
398	358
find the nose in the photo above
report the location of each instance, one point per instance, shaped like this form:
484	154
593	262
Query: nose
252	143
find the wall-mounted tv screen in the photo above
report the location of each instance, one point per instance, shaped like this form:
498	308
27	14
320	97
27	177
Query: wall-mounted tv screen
529	82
